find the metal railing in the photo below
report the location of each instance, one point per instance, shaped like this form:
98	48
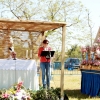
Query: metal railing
66	72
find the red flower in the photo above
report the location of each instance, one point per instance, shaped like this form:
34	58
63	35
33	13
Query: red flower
20	84
5	95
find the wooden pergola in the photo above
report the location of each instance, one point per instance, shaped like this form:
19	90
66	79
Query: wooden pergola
38	26
31	26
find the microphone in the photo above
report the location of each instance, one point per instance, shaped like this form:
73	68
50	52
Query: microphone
10	49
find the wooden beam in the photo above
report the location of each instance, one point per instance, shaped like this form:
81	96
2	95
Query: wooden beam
35	26
21	30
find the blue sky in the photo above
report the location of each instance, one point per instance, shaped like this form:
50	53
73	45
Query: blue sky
94	8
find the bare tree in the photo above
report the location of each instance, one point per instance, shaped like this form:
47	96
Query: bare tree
69	11
90	27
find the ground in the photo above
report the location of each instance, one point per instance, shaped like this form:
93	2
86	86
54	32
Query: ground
72	86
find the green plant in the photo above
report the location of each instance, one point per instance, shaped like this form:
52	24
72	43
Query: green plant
49	94
19	92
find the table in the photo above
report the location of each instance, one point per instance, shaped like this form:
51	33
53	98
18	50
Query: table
12	71
90	82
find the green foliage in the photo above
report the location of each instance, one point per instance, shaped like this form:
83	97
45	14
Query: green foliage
49	94
74	52
42	94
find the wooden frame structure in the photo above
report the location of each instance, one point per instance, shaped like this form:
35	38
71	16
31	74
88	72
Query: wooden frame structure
38	26
30	26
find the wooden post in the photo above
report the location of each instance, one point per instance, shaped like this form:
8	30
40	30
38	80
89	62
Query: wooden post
40	76
62	61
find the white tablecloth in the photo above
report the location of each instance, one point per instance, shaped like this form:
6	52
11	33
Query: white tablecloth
13	71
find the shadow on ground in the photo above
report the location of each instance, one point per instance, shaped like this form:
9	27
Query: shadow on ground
77	94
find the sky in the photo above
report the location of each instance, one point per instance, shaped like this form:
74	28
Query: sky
94	8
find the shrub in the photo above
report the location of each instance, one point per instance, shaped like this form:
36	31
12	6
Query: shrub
19	92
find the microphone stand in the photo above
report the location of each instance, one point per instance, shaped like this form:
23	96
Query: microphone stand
14	58
15	66
48	56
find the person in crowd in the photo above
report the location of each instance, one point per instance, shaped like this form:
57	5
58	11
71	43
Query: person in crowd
45	64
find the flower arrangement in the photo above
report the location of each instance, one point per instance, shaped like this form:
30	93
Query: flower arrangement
98	40
19	92
16	92
91	55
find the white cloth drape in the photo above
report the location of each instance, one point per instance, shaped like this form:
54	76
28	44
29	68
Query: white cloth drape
13	71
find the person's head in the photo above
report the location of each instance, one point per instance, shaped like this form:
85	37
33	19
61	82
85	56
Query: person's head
45	43
13	54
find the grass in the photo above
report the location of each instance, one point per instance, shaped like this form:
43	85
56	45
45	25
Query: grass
72	86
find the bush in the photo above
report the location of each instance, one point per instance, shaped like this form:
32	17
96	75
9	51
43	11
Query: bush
19	92
49	94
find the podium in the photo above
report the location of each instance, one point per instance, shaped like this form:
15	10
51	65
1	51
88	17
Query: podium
47	54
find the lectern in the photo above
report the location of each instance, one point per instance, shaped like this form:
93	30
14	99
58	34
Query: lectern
47	54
